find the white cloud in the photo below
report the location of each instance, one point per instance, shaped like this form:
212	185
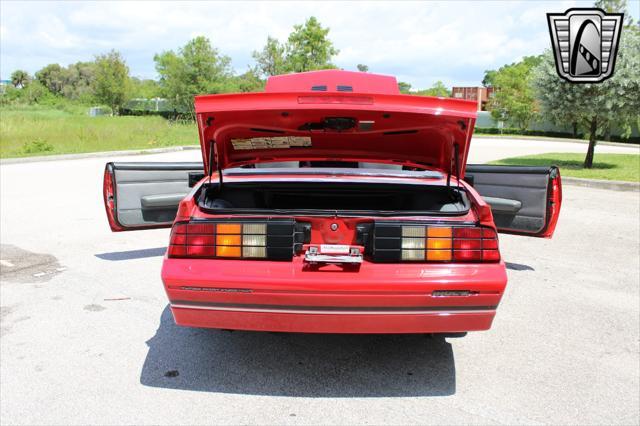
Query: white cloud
420	42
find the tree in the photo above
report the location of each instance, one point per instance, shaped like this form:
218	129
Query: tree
20	78
36	93
197	68
489	78
514	98
74	82
594	106
32	93
249	81
616	6
78	81
271	59
52	77
437	89
144	88
363	68
404	87
309	48
111	83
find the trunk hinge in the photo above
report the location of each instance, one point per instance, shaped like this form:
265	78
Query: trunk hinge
455	164
213	155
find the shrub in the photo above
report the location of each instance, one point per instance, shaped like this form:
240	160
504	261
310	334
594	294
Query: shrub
36	146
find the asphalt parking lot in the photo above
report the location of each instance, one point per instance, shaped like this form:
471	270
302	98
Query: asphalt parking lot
87	337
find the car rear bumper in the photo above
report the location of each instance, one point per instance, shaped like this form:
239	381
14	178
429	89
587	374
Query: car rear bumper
287	296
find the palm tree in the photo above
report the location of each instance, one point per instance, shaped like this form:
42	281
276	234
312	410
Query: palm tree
20	78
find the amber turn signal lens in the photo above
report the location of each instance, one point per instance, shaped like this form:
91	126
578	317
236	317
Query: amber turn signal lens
229	240
440	232
439	255
229	228
227	251
438	243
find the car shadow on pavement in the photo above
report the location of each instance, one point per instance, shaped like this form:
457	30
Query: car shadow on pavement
292	364
132	254
518	266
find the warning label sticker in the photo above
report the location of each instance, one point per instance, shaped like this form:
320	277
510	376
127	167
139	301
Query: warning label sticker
276	142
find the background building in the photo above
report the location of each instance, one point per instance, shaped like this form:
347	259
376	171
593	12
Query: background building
479	94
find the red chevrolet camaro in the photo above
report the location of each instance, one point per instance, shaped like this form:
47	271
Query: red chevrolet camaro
331	203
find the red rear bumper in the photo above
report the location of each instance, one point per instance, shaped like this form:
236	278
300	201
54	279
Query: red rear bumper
286	296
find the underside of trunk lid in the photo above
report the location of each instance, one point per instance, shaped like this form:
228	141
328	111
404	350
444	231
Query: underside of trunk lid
334	116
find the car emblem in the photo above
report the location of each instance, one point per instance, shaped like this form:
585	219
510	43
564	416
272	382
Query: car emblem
585	43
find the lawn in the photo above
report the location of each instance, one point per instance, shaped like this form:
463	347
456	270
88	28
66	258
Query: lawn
41	131
605	166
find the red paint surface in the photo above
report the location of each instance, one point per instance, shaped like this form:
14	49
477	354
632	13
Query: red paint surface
283	287
439	123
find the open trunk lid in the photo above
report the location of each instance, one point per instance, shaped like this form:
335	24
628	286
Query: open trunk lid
334	116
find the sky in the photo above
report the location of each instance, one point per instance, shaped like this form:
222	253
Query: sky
418	42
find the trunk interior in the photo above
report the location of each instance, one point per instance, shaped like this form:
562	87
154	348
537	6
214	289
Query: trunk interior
345	197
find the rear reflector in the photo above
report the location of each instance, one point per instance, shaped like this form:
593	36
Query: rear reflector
393	242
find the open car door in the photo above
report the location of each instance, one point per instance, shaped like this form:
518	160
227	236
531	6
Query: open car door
146	195
524	200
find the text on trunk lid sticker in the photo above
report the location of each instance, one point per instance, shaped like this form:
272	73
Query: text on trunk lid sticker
276	142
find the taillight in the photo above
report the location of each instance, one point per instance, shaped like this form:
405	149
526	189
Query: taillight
108	194
271	239
393	242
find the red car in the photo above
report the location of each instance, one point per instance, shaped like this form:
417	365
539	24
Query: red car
331	203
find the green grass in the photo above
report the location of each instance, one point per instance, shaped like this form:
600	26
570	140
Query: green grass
605	166
33	131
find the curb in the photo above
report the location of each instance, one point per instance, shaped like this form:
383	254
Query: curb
615	185
551	139
95	155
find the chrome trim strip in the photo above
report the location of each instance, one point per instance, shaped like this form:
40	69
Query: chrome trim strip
440	311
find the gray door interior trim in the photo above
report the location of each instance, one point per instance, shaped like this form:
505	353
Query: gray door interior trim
518	195
148	194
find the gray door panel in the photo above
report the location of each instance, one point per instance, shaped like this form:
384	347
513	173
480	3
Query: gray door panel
148	194
518	195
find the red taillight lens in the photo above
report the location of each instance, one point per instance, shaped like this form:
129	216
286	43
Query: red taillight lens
467	232
467	255
176	251
490	255
475	245
467	244
201	240
108	193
